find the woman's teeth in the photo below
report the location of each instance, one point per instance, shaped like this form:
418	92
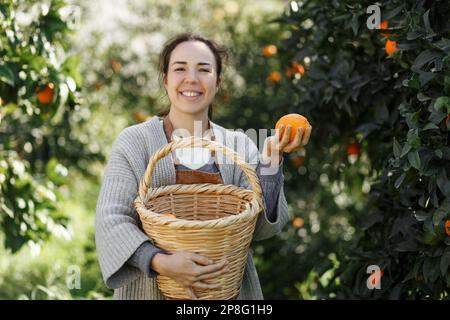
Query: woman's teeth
190	93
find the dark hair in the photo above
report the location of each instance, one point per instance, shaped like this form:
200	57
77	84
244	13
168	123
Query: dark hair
220	54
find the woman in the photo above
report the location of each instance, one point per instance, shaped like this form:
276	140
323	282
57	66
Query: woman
190	66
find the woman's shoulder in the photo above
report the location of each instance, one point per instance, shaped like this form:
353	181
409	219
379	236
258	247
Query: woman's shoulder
137	133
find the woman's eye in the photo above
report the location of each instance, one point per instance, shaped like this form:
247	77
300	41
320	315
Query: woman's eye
204	70
179	69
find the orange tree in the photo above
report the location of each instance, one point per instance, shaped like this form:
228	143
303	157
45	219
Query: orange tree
380	97
40	112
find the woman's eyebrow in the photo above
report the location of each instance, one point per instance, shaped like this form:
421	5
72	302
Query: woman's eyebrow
200	63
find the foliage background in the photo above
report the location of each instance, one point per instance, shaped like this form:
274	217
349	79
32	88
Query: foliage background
385	205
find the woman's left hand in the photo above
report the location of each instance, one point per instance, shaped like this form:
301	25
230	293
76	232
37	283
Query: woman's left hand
274	147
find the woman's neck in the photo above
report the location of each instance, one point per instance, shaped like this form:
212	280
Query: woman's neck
191	122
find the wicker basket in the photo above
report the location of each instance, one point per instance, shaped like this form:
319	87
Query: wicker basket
213	220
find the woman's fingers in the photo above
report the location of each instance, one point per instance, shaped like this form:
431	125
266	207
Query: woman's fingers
202	285
296	143
212	275
202	260
285	139
211	268
307	135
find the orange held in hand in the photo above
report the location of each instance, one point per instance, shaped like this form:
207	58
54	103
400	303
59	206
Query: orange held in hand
295	120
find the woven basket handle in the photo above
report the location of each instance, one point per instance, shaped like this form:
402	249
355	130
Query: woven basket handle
205	143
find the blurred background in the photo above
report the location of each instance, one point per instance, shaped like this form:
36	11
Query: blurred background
372	187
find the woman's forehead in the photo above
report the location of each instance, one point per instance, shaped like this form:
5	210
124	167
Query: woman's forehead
192	52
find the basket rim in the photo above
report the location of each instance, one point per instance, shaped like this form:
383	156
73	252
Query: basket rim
252	206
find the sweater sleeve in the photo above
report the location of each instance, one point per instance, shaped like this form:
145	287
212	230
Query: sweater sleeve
271	221
117	232
142	258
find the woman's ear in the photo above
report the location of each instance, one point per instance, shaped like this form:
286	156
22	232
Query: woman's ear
165	81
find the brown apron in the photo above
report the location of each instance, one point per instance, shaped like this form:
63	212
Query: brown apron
192	176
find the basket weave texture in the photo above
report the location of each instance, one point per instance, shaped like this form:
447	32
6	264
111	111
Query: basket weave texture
213	220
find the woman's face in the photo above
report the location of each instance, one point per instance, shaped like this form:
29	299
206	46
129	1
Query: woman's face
191	79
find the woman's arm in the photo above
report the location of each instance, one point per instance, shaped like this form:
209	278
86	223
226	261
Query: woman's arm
276	215
117	234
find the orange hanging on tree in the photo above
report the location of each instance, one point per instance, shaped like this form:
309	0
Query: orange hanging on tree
295	120
274	76
270	50
298	222
296	68
383	26
447	227
353	149
45	95
298	161
390	47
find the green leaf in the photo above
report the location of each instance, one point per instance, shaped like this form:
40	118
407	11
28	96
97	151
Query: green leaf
440	213
445	262
442	104
405	150
6	75
413	138
424	58
397	148
430	126
431	269
414	159
399	180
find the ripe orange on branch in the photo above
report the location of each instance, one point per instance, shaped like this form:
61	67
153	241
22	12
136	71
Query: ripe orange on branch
270	50
296	68
383	26
295	120
353	149
390	47
274	76
46	93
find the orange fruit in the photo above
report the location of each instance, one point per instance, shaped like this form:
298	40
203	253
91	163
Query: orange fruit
295	120
353	149
45	95
447	227
274	76
294	69
298	222
270	50
298	68
298	161
390	47
170	215
383	26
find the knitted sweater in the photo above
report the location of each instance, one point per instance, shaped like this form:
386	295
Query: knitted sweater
119	238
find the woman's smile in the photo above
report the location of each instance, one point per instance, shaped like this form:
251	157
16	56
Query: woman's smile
191	95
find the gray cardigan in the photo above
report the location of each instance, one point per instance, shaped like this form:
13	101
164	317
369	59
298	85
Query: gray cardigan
117	230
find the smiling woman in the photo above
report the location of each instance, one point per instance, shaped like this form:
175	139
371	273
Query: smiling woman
190	69
195	58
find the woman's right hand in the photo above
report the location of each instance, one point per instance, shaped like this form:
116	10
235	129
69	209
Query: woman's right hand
189	269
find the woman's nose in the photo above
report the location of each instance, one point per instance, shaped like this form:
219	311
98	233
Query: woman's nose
191	76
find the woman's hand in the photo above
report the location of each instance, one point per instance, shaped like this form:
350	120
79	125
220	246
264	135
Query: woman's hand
274	146
189	269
